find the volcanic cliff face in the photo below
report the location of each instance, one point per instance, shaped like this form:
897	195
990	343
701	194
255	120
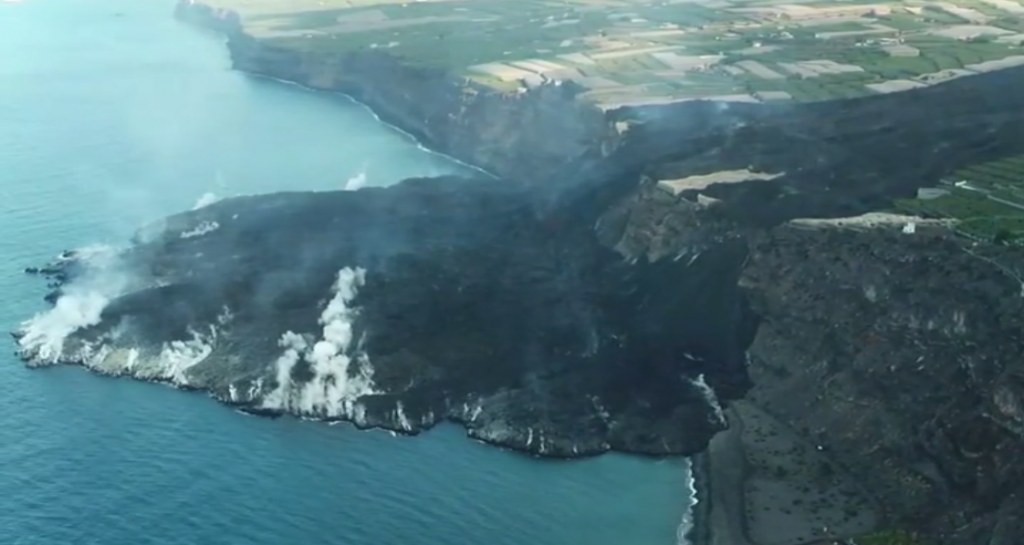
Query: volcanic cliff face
889	341
834	158
900	353
538	130
435	299
602	321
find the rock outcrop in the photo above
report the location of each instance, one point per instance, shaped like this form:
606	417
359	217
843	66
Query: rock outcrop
900	354
565	311
546	136
541	129
891	342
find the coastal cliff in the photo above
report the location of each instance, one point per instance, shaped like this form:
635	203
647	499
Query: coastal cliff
541	129
436	299
893	349
892	346
547	136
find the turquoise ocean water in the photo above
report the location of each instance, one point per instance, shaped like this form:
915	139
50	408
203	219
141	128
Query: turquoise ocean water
112	114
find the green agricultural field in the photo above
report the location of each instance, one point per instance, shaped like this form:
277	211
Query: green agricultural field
990	207
889	537
1013	23
904	21
1003	174
632	51
935	15
982	7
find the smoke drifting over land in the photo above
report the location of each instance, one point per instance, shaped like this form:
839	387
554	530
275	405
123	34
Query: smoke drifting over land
398	307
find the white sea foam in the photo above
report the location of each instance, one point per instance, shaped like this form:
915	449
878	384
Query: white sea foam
333	389
204	228
686	525
43	337
205	200
96	255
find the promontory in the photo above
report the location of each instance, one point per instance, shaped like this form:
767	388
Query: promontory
781	237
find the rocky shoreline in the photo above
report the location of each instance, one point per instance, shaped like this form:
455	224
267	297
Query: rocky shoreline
887	342
469	312
703	529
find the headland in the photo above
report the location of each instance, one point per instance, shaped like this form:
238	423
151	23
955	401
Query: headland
812	212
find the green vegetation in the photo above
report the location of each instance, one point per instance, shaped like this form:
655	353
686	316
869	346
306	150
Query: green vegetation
990	205
982	7
645	49
934	14
890	537
1011	23
904	21
434	34
1002	180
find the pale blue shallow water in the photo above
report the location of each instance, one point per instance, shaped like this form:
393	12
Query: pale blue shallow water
108	121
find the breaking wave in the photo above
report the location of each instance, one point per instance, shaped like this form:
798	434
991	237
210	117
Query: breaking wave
686	526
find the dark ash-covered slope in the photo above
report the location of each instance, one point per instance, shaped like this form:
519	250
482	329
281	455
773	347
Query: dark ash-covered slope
900	354
591	327
890	342
399	307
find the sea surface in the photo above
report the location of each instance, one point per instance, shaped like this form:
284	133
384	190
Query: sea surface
113	114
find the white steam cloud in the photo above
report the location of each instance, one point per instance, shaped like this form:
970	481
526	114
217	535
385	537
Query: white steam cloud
711	398
204	228
170	364
209	198
206	200
43	337
177	357
356	182
334	390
